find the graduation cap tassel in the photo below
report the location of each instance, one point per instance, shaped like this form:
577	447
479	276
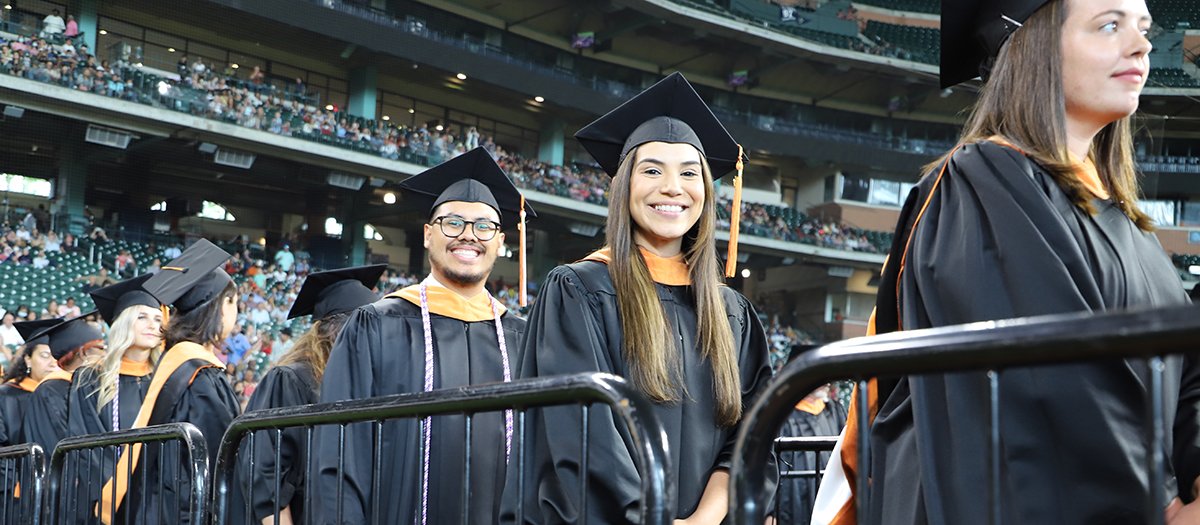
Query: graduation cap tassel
735	218
166	313
523	298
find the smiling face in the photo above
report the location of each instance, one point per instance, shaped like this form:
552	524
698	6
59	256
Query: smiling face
666	195
1105	59
463	261
147	327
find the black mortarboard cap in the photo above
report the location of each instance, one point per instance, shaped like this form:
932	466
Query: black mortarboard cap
973	31
34	332
669	111
336	291
114	299
192	279
70	335
471	177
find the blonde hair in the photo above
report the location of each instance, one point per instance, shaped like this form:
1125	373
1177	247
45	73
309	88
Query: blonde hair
654	365
120	338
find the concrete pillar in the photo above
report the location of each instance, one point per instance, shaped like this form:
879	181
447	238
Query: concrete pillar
354	245
415	239
364	88
88	19
71	188
550	141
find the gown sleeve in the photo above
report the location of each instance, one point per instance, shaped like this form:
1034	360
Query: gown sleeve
210	404
46	414
566	335
279	388
349	375
82	416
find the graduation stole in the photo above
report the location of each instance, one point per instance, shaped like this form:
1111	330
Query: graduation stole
28	384
454	306
671	271
179	355
57	375
132	369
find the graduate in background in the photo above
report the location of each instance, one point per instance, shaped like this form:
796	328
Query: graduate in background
72	343
1034	213
33	363
188	385
817	415
650	307
329	297
120	379
445	332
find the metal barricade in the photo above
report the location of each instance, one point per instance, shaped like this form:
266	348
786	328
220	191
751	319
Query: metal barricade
796	468
22	480
657	491
75	477
991	346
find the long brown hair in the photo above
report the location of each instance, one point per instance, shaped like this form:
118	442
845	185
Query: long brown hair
1023	102
314	346
201	325
654	363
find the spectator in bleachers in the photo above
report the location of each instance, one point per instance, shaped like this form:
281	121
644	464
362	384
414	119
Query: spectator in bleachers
23	314
284	258
98	280
155	266
70	310
9	335
53	25
124	264
51	309
72	28
236	345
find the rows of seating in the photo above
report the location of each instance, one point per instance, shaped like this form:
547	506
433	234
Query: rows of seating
36	287
1170	13
1171	77
923	43
911	6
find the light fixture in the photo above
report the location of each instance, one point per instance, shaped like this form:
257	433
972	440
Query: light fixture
262	241
461	76
163	87
1194	269
745	273
102	31
234	66
8	6
411	111
329	107
386	118
389	198
170	50
539	99
439	127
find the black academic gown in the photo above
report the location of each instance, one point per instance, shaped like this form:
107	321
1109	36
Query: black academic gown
85	419
1000	239
380	352
284	386
195	392
796	495
13	400
45	417
574	328
14	397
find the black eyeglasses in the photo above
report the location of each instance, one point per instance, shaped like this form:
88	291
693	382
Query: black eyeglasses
453	227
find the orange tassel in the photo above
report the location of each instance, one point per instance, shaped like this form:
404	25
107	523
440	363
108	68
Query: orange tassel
523	298
735	218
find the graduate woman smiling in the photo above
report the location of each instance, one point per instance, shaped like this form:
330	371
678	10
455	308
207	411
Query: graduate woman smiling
1034	213
651	307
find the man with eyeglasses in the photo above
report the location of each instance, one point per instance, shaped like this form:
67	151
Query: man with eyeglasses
447	331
